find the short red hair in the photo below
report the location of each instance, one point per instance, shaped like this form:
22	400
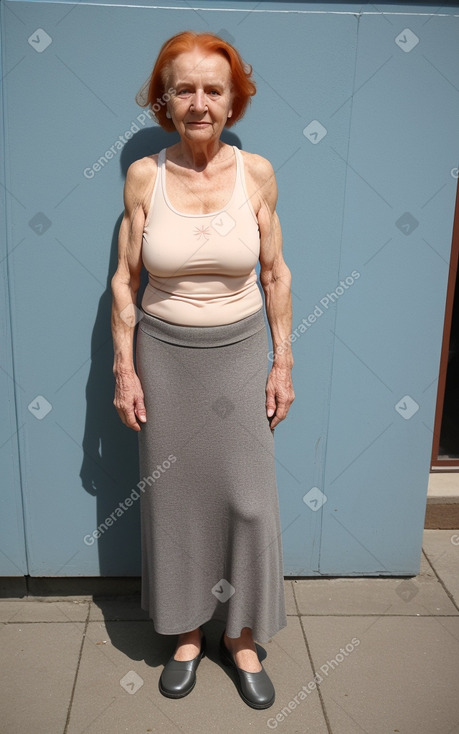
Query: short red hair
155	94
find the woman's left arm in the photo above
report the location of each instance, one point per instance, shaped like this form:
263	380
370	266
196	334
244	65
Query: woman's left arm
275	279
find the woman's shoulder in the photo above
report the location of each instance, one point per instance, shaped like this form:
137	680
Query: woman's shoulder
257	165
141	177
143	167
260	176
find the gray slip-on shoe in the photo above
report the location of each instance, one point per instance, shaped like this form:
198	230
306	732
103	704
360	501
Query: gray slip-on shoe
255	689
179	676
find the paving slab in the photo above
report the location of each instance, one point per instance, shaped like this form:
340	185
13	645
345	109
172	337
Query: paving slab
117	686
401	677
114	690
39	611
442	549
127	607
423	594
39	663
290	604
121	608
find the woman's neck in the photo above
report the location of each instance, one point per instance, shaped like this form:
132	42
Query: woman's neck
198	155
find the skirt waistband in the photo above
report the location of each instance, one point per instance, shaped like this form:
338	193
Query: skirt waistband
202	336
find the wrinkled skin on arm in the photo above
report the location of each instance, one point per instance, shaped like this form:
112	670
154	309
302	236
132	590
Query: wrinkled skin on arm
275	279
129	397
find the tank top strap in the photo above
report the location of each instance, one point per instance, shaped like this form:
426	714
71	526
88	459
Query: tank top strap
162	169
239	170
240	190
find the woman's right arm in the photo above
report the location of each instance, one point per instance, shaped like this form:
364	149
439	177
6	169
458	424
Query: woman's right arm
129	397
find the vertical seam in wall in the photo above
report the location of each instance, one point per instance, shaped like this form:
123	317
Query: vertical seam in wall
328	402
18	473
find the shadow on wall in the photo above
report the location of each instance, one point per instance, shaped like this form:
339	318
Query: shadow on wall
110	467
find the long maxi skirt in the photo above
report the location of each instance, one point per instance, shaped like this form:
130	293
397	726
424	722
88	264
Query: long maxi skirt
210	524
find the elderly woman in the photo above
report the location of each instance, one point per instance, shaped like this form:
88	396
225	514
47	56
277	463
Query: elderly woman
198	216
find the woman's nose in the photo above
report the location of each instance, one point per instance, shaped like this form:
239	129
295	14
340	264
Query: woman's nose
199	101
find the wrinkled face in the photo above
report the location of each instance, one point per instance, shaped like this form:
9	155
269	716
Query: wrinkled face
201	102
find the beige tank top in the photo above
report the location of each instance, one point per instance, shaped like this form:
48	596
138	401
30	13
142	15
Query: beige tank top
201	267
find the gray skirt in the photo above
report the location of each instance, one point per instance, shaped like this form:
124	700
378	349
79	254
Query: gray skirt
210	525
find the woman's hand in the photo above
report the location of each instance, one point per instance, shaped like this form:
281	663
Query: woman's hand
279	394
129	398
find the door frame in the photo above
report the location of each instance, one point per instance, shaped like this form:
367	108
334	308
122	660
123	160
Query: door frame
436	463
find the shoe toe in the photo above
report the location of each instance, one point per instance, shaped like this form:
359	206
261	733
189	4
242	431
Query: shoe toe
177	680
257	688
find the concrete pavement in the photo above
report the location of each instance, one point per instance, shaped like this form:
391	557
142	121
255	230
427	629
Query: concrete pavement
359	656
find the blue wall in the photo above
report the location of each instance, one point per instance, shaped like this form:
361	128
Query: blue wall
359	117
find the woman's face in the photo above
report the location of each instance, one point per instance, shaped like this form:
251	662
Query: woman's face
202	97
